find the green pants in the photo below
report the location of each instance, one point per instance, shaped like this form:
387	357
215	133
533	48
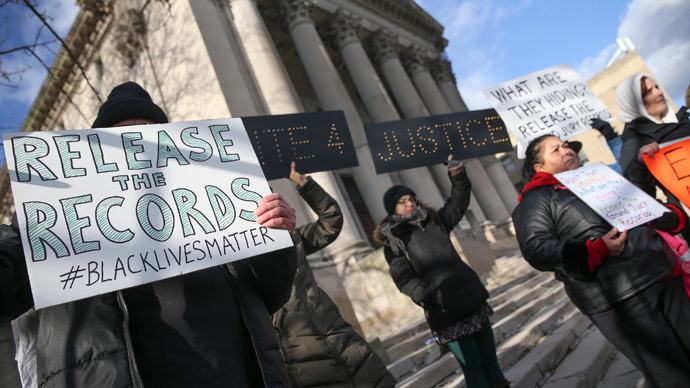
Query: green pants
477	356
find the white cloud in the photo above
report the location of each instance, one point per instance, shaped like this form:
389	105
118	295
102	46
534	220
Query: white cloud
592	65
661	32
471	86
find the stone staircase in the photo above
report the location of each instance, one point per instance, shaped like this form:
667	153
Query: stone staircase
542	340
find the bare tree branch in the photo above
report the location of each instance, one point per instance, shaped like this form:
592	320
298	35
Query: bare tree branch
76	60
50	74
32	46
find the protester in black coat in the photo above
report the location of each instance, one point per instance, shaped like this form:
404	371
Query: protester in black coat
209	328
621	282
321	349
648	123
426	267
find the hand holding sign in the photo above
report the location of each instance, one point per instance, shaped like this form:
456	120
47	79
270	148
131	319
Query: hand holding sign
614	242
273	212
671	167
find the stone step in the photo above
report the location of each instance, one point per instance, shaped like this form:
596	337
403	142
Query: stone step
551	316
432	374
529	282
517	318
404	333
415	361
622	373
409	345
409	353
548	352
585	365
498	286
522	295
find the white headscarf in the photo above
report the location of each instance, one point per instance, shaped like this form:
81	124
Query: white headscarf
631	104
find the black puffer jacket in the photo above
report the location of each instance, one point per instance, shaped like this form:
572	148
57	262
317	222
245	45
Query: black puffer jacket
320	348
432	273
87	343
553	226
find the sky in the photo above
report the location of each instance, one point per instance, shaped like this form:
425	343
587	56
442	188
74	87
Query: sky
490	41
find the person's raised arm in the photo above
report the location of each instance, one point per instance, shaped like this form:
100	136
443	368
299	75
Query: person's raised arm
459	200
318	234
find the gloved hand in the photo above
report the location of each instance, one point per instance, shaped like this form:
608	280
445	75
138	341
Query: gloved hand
604	127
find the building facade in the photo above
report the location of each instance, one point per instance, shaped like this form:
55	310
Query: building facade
377	60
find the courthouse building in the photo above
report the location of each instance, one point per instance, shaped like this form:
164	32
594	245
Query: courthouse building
377	60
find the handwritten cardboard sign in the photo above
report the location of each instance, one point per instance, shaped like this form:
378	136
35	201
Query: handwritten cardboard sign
551	101
613	197
106	209
424	141
317	141
671	167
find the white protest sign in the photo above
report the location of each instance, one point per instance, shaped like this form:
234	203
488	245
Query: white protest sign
106	209
613	197
551	101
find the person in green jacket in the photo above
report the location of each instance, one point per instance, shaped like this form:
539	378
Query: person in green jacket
320	348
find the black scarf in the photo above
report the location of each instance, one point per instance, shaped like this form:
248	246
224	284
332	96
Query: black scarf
415	218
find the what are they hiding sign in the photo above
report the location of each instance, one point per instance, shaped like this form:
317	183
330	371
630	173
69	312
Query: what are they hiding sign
105	209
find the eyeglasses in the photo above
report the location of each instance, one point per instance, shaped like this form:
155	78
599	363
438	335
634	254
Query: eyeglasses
404	200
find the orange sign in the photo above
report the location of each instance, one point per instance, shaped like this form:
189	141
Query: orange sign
671	167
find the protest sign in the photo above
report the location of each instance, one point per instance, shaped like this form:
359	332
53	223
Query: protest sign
106	209
423	141
613	197
671	167
551	101
317	141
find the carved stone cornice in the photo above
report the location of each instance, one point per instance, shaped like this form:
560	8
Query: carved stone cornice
294	12
414	60
442	71
343	28
129	35
381	46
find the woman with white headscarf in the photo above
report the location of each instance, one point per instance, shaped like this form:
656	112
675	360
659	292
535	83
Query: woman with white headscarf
648	123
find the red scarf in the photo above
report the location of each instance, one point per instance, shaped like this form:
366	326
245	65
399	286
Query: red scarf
538	180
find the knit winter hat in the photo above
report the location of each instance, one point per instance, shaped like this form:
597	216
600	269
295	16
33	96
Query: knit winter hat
392	195
630	101
128	101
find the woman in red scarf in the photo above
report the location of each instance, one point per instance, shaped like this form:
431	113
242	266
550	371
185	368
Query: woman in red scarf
622	281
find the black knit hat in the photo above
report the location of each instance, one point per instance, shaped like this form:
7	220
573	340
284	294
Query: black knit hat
392	195
128	101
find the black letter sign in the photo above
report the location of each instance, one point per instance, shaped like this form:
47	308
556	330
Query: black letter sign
316	141
424	141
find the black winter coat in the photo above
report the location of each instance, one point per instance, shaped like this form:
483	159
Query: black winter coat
431	272
553	226
87	343
320	348
641	132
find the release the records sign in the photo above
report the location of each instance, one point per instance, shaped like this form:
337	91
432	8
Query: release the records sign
424	141
316	141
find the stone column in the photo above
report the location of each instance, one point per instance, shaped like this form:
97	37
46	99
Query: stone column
332	94
471	244
443	74
381	47
489	200
281	98
376	100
